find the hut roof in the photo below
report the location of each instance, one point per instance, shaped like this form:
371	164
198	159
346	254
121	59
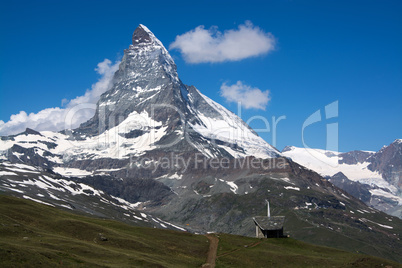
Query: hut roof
269	223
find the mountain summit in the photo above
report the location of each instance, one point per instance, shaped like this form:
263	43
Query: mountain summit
142	35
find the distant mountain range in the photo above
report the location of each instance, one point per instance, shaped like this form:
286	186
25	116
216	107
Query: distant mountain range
373	177
160	153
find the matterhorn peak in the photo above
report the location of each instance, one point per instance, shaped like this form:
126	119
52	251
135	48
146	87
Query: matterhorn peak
149	101
143	36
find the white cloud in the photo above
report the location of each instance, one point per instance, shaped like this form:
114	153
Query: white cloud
201	45
248	96
76	111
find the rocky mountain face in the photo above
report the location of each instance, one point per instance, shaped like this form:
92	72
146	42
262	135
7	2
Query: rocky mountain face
354	157
355	188
159	152
373	177
388	162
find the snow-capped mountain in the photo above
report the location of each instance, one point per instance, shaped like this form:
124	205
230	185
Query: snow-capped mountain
377	174
148	109
161	151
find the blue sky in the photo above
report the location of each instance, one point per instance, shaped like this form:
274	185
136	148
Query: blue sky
325	51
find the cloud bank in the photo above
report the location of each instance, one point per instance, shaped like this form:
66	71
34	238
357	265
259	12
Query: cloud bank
247	96
201	45
76	111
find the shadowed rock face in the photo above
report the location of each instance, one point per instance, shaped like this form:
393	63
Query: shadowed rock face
140	35
358	190
354	157
388	161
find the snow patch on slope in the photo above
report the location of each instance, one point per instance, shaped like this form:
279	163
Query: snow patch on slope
71	172
380	192
292	188
7	173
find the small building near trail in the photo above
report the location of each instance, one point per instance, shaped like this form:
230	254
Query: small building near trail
269	226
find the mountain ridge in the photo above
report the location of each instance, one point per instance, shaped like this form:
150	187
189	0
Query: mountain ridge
379	173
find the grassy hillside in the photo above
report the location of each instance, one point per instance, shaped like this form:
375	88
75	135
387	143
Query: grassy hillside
33	235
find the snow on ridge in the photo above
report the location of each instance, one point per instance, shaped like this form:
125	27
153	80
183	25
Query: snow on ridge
22	166
286	179
26	141
175	176
326	163
71	172
151	34
174	226
385	226
12	189
22	170
379	224
232	185
292	188
149	49
233	130
127	205
111	143
45	183
37	200
380	192
7	173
